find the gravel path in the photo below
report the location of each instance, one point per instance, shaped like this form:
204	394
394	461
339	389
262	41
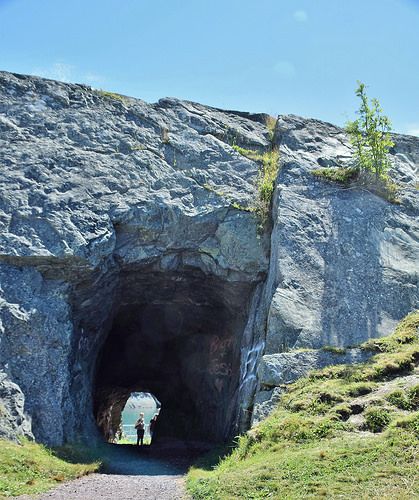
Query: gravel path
112	487
130	475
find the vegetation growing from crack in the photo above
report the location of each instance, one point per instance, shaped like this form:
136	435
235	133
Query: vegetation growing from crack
341	175
265	182
138	147
310	446
334	349
352	176
370	137
271	125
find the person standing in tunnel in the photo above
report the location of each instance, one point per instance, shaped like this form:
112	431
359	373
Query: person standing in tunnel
139	425
153	422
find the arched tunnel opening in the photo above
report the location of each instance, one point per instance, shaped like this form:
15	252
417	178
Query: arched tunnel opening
176	335
138	404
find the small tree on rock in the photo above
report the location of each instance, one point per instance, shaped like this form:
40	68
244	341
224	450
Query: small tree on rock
370	135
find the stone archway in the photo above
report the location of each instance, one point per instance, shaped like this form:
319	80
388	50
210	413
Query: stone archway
177	335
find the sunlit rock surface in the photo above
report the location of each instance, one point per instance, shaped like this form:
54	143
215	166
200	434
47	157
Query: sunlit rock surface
344	263
126	266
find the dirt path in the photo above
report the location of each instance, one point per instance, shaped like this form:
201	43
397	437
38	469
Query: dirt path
128	475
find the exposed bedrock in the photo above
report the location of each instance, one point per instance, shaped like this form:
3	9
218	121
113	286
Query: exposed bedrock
124	264
344	263
127	261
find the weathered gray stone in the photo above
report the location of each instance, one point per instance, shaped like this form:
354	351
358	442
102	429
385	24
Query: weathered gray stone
287	367
13	421
126	266
344	262
112	209
265	402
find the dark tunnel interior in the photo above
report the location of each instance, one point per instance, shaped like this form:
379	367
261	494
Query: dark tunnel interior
177	336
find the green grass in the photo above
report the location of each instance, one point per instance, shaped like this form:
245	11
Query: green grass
265	182
333	349
112	95
271	125
30	468
307	448
339	175
405	400
351	176
347	467
377	418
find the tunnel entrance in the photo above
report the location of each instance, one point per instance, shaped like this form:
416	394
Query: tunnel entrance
177	336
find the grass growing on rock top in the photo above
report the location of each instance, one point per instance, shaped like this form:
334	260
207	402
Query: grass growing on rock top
112	95
270	123
30	468
340	175
351	176
265	182
334	434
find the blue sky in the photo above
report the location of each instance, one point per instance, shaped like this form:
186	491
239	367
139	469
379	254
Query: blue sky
276	56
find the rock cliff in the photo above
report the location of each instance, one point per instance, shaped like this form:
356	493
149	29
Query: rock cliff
127	261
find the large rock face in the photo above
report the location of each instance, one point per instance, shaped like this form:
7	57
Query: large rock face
123	267
344	263
126	264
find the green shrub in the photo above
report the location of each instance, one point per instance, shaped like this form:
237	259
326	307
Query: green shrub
409	422
342	411
376	419
360	389
399	399
413	397
370	135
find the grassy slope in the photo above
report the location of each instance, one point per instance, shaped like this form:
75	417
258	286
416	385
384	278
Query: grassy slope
310	447
31	468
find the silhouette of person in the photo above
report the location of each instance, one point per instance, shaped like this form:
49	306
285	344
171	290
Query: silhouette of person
153	422
139	425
